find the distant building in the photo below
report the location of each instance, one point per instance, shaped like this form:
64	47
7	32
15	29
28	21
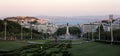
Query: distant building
46	28
61	26
106	27
117	21
111	17
89	28
26	20
40	28
115	26
40	25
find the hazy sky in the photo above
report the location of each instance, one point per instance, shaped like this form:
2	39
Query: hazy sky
59	7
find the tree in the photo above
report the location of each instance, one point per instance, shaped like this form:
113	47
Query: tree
101	28
13	29
61	31
72	30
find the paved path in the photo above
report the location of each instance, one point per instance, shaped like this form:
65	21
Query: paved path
31	42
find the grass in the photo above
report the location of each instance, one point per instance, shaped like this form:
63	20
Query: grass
95	49
83	49
11	45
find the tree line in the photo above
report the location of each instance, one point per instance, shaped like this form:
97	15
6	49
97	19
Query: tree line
14	29
72	30
104	35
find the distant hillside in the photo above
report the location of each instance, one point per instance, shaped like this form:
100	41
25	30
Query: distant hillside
26	19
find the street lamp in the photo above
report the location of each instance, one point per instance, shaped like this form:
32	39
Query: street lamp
21	31
99	30
92	27
5	30
31	30
111	31
119	23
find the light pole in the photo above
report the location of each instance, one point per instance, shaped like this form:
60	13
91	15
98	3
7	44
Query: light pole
42	34
119	23
5	38
31	31
99	30
21	32
92	27
111	31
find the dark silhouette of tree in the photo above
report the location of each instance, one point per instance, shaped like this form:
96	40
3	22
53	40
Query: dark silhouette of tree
14	29
61	31
72	30
101	28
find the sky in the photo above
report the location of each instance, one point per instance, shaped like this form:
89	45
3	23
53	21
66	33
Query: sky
59	7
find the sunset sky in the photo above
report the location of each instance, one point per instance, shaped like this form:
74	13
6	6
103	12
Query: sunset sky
59	7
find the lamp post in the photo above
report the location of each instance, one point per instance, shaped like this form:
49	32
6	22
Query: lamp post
92	28
42	34
31	30
111	31
5	38
119	23
21	32
99	30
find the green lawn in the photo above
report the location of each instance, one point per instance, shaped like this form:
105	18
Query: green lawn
82	49
95	49
10	45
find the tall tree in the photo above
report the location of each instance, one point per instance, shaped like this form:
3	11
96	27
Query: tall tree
101	28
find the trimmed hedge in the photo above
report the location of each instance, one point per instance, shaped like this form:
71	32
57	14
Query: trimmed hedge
35	49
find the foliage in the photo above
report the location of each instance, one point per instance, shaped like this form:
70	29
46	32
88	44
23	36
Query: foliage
104	36
48	49
14	29
101	28
61	31
72	30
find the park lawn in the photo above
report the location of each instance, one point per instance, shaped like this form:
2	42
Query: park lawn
95	49
11	45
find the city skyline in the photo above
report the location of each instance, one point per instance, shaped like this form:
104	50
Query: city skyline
59	7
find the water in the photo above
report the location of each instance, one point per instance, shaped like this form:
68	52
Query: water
73	22
76	19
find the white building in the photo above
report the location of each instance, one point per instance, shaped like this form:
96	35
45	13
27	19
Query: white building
46	28
89	27
115	25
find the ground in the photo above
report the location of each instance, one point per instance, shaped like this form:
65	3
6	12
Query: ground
79	48
10	45
95	49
